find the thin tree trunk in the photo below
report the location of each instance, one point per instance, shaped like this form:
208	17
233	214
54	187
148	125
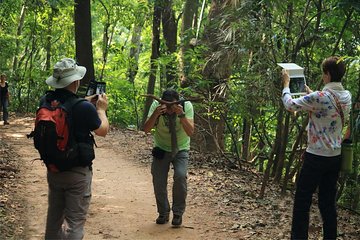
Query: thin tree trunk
272	155
107	38
18	34
279	135
187	33
246	135
200	18
105	43
154	56
49	38
134	53
287	176
267	172
280	151
348	18
170	35
282	156
134	65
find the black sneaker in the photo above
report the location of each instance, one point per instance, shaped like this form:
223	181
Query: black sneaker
177	220
162	219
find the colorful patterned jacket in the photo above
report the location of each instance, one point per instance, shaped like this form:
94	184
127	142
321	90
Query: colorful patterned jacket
325	126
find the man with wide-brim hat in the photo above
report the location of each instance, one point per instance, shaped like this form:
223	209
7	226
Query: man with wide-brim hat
70	190
65	72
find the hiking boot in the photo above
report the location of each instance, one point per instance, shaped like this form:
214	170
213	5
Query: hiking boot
6	123
177	220
162	219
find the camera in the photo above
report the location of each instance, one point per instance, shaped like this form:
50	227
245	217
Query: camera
96	88
297	78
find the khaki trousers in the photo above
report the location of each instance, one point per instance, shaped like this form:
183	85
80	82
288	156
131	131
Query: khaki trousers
69	200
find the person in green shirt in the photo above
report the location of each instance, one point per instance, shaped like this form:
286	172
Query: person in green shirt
173	125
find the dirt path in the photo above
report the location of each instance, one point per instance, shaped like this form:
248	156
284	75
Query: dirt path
123	205
222	203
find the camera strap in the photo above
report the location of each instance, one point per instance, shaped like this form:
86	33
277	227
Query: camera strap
338	106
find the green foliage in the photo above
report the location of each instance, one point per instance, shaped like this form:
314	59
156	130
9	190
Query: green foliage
347	4
350	197
122	103
242	41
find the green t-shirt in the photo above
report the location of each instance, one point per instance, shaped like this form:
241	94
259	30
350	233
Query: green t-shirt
162	136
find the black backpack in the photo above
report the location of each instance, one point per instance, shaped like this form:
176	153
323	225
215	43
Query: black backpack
53	133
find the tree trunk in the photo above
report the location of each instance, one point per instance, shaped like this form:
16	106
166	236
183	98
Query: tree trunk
134	53
282	155
154	56
83	39
18	34
170	35
187	33
267	172
134	65
217	69
270	164
280	150
296	147
53	11
109	28
106	40
246	139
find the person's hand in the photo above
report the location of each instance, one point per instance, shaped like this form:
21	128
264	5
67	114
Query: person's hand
286	78
161	109
92	98
307	89
178	109
102	102
89	98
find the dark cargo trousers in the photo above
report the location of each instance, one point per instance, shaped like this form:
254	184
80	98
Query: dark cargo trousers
322	173
69	200
159	170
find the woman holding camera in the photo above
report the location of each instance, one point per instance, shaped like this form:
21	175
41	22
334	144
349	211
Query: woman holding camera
322	159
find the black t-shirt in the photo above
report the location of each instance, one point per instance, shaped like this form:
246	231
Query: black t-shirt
4	91
85	119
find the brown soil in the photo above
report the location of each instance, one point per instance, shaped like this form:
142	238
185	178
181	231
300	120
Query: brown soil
222	203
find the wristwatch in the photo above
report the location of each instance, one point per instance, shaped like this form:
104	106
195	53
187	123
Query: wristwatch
181	115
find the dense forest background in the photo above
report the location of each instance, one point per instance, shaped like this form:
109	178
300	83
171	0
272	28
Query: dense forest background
223	51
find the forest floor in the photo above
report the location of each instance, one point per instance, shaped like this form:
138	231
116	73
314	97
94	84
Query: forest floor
222	203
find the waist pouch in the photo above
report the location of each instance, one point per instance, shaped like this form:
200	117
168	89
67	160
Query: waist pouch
158	153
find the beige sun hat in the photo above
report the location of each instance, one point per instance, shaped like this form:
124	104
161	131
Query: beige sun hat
65	72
